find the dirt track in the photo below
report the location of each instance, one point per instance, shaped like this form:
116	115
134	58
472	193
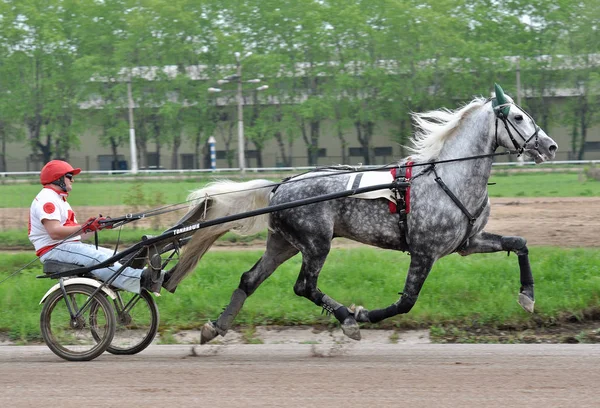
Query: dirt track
566	222
304	375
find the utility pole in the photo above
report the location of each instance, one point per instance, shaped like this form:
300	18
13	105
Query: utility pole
240	112
240	103
132	146
520	158
518	81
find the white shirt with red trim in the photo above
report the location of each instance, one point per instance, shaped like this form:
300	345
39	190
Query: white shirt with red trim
49	205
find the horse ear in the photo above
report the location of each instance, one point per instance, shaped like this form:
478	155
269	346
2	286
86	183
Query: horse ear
500	100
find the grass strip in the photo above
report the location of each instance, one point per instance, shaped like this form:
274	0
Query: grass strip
477	291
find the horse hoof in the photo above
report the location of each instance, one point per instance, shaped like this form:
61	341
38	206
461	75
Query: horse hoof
526	302
208	332
351	329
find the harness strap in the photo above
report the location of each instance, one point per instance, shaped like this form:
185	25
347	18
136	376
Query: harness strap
453	197
401	204
472	217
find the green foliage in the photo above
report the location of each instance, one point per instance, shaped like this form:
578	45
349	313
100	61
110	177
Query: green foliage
381	60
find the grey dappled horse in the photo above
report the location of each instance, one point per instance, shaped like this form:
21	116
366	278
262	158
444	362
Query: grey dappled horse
435	227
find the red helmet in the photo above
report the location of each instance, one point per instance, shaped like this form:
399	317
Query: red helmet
55	169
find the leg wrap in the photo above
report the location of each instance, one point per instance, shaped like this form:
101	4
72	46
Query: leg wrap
231	311
403	305
513	243
339	311
526	275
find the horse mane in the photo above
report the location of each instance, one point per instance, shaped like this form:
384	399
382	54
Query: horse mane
433	128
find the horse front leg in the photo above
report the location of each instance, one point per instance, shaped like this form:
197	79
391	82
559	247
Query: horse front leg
485	242
420	265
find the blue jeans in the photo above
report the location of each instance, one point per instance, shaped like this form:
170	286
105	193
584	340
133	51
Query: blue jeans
87	255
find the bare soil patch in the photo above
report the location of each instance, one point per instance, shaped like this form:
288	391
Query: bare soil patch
551	221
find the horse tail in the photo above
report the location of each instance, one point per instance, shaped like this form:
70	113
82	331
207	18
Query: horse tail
216	200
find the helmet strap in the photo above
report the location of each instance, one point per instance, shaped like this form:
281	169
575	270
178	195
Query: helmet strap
61	184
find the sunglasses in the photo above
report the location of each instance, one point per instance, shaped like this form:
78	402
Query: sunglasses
69	176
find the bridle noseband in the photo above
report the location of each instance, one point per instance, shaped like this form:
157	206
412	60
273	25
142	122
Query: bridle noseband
500	115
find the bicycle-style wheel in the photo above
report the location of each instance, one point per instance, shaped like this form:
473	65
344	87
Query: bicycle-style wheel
137	320
85	336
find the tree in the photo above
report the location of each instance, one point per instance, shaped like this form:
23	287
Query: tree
582	43
10	102
49	53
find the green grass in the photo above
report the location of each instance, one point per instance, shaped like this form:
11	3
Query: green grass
480	290
103	193
153	193
552	184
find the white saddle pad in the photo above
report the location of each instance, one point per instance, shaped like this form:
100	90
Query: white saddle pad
371	178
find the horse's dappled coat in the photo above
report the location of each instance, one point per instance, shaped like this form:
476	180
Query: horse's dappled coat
436	224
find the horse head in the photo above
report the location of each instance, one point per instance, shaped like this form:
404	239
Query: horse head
520	132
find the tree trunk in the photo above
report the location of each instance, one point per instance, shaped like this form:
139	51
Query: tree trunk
285	159
3	154
228	140
313	148
158	146
175	156
46	149
114	146
364	133
582	127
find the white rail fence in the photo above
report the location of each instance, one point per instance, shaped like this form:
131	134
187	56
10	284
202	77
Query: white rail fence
555	165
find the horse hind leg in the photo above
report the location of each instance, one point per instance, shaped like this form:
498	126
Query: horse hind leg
278	251
306	285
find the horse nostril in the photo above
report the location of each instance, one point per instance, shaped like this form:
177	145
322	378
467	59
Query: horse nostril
553	148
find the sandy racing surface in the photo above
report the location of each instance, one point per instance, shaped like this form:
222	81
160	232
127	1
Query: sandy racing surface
303	375
564	222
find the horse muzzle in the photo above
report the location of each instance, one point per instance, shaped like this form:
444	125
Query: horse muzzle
542	150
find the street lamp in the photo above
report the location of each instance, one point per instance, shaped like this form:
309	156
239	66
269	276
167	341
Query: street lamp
240	102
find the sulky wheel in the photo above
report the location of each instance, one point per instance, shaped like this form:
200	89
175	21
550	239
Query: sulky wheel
80	326
136	322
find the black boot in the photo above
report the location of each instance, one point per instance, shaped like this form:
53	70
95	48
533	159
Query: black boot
151	280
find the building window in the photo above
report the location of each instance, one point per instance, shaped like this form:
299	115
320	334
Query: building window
107	162
187	161
383	151
355	151
152	160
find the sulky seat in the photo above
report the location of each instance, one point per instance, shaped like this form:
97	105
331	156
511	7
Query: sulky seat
51	267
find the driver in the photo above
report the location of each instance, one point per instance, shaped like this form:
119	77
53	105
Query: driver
56	234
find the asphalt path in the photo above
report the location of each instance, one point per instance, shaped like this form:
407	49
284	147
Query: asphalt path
308	375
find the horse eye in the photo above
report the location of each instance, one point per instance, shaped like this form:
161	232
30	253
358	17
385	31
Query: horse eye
519	117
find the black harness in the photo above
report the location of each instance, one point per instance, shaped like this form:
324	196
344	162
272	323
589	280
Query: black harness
500	115
401	190
471	217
